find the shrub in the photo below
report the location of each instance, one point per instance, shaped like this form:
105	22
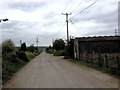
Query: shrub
11	57
9	68
23	47
22	56
30	55
36	53
59	53
59	44
31	48
8	47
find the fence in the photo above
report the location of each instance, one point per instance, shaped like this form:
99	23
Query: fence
107	60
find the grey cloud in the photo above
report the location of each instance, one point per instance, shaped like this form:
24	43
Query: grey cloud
106	18
10	27
17	26
102	32
50	15
48	28
49	24
26	6
97	17
106	29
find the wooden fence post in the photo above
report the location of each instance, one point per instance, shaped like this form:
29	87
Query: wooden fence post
92	57
106	61
99	59
118	63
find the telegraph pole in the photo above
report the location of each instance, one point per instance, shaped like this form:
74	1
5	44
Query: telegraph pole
37	42
67	26
116	33
20	42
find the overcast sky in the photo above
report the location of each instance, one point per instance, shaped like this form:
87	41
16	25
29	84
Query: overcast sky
29	19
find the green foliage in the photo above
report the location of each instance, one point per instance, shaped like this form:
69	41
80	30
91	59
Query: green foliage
9	67
50	51
10	62
59	53
31	48
8	47
23	47
13	59
22	56
58	44
30	55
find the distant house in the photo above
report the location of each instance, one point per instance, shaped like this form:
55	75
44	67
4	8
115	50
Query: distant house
101	44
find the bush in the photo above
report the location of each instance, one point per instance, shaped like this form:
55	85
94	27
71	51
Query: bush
31	48
23	47
30	55
22	56
50	51
59	44
11	57
8	47
9	67
36	53
59	53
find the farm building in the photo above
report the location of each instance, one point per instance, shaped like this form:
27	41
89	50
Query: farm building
91	45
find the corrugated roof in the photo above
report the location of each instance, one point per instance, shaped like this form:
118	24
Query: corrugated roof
99	38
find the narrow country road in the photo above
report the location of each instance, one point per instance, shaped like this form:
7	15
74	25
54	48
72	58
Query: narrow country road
47	71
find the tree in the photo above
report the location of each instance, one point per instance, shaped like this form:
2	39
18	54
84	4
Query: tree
8	46
32	48
23	47
59	44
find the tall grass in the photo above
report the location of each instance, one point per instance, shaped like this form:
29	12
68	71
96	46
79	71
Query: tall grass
30	55
10	67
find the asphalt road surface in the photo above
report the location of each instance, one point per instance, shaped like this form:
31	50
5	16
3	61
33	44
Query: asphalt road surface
47	71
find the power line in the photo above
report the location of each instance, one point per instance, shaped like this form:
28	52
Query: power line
76	7
85	9
54	34
68	5
64	9
74	26
59	30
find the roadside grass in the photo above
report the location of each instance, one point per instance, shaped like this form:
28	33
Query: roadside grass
11	64
101	69
29	55
9	68
58	53
13	58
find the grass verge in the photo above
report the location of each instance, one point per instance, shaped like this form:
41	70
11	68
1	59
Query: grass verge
9	68
11	64
102	69
29	55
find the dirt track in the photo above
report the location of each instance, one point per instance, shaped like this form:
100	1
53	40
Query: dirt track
47	71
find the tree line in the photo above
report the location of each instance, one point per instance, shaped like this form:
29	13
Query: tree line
60	48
